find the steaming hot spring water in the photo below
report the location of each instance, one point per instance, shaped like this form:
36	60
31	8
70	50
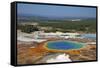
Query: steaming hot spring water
63	45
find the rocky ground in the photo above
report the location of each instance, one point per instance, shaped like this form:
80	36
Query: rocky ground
32	52
29	53
87	53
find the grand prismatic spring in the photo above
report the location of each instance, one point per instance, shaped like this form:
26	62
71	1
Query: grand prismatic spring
63	45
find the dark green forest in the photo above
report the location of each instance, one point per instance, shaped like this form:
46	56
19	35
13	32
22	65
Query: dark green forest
88	26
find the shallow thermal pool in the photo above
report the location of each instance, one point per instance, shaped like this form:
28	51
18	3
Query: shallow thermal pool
63	45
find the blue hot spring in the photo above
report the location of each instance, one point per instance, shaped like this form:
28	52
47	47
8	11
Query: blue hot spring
63	45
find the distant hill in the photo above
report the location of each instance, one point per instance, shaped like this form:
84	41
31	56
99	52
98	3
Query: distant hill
31	18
